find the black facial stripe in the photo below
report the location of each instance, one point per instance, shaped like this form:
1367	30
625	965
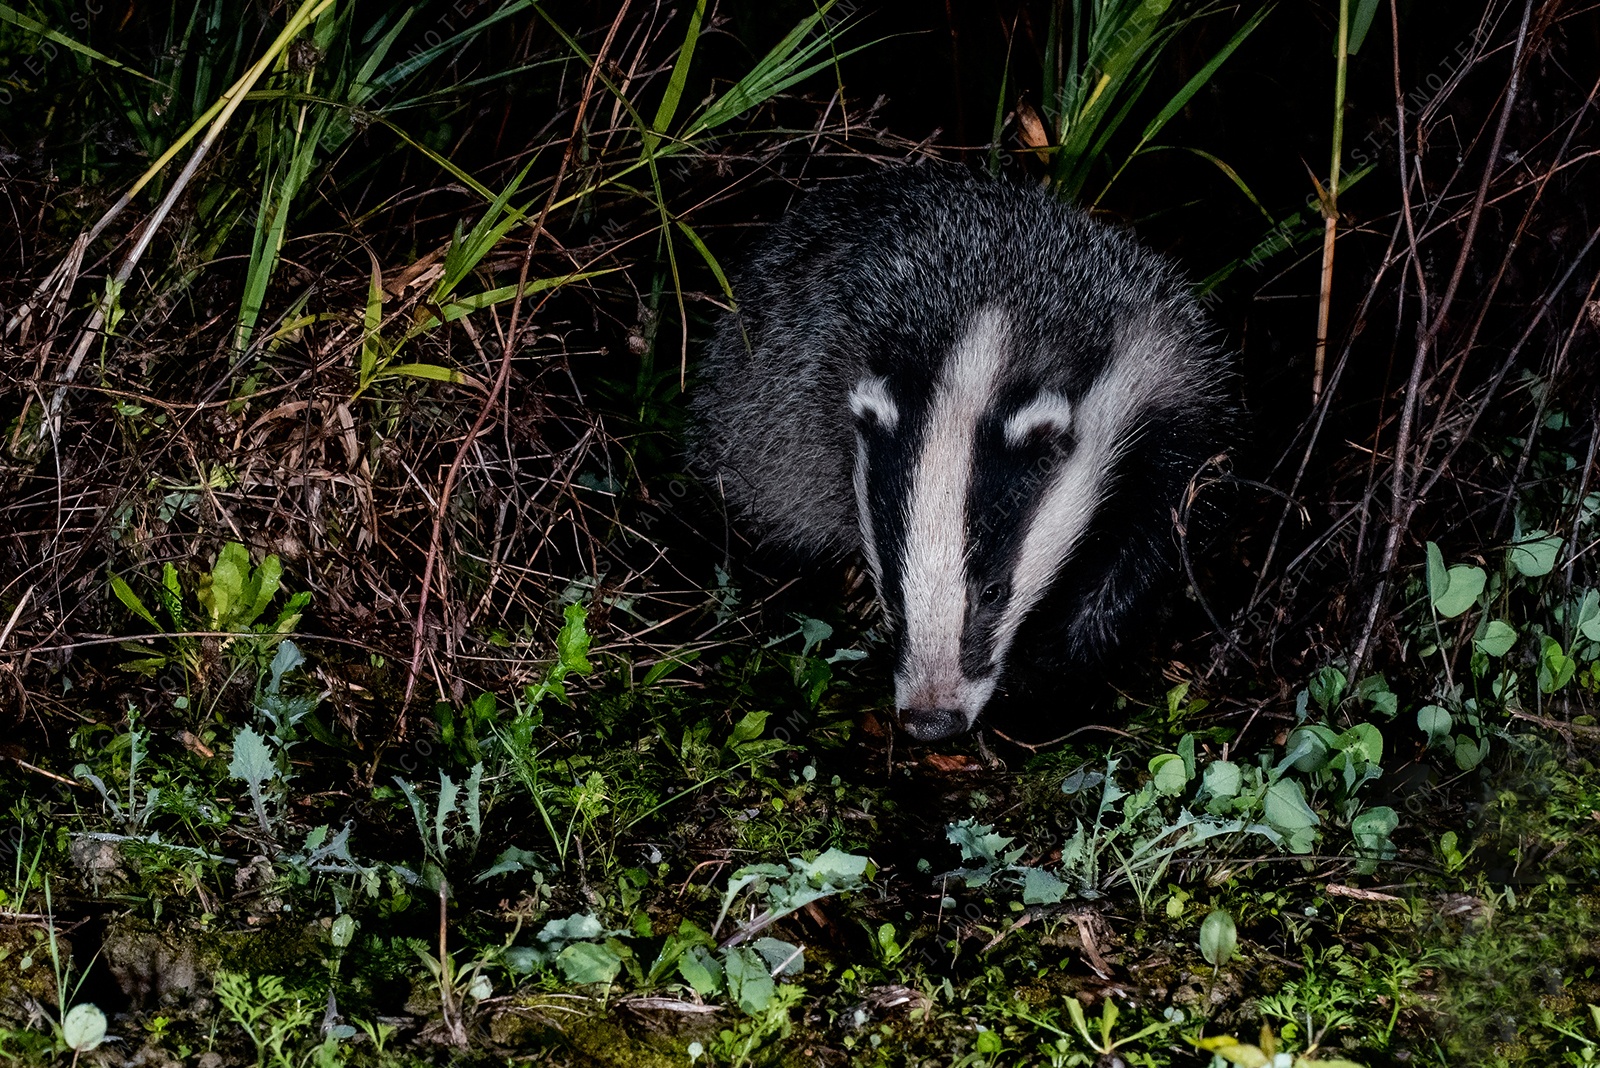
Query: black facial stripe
1007	489
891	457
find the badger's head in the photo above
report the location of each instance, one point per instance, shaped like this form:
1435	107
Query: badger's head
974	488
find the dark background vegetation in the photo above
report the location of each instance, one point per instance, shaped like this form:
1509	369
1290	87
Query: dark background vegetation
1465	418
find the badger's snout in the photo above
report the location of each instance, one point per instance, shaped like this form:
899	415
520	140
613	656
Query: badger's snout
934	703
930	726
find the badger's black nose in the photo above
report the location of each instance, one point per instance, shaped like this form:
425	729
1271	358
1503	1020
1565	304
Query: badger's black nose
929	725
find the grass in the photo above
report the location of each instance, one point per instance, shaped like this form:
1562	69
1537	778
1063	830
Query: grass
386	695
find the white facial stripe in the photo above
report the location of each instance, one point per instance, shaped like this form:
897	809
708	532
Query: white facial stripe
871	397
869	543
1049	412
933	579
1144	371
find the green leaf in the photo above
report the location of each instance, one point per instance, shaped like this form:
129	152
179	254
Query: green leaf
978	842
572	641
783	958
1556	668
1285	811
1234	1052
1223	779
680	75
222	592
431	371
1219	937
1438	576
1372	828
17	18
749	981
1039	887
1309	748
789	62
1360	23
259	591
252	759
125	594
1435	722
1169	775
588	962
1536	556
748	729
578	926
1497	638
1469	752
701	971
1463	584
84	1028
1327	687
1362	743
1375	689
834	868
444	807
1589	616
1181	98
342	931
372	346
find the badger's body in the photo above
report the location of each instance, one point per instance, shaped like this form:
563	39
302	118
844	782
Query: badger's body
995	400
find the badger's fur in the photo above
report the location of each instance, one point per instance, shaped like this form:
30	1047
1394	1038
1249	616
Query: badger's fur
995	400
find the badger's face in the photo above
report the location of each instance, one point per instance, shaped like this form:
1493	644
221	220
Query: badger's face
973	490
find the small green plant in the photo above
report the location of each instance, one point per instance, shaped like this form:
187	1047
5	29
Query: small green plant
231	598
1100	59
274	1018
1244	1055
1219	937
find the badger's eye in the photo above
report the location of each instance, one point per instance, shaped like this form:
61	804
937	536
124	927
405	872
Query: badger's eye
994	593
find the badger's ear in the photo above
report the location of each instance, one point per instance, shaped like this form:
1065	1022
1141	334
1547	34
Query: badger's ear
872	405
1047	417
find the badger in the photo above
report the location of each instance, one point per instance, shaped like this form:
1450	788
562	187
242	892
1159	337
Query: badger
993	400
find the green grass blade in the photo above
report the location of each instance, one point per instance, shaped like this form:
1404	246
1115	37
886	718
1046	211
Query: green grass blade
465	254
18	19
1201	77
680	76
411	65
1231	174
430	371
711	261
464	306
1182	97
1360	23
789	62
372	320
131	600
